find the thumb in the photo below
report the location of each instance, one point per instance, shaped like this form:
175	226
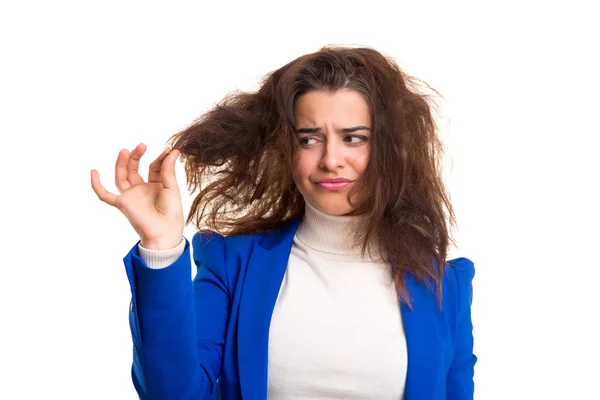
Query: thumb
167	171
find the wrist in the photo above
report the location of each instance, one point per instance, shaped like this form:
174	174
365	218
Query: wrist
161	244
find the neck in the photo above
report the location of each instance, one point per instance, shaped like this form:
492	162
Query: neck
330	234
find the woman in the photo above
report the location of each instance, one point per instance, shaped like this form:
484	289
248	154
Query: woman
322	221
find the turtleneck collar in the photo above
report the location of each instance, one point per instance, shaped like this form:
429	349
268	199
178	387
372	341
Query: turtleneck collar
333	235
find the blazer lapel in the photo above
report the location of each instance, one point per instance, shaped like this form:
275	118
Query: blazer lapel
264	274
422	341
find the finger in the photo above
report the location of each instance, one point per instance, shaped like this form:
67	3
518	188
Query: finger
103	194
167	171
133	175
121	171
154	169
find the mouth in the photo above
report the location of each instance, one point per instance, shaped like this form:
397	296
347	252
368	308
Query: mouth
334	183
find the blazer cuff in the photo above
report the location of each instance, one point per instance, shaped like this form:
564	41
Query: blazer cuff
157	259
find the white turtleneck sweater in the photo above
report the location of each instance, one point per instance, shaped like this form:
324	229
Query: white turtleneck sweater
336	330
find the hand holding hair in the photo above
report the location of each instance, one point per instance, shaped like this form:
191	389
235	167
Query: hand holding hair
153	208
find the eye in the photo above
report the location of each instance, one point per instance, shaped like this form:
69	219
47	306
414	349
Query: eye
307	140
355	139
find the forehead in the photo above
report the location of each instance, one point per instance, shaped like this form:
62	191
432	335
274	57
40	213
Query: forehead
339	107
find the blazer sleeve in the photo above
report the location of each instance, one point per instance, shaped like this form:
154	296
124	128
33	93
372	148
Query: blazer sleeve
178	324
459	381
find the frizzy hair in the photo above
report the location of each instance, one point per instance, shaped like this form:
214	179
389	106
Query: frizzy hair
239	156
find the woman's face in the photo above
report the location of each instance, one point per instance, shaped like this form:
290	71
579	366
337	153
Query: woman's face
334	130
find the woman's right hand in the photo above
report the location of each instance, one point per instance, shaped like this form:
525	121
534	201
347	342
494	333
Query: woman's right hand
153	208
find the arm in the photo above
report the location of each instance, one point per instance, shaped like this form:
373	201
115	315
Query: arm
459	381
178	326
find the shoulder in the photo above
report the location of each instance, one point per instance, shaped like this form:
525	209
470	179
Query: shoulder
209	243
230	253
211	248
458	278
463	269
221	257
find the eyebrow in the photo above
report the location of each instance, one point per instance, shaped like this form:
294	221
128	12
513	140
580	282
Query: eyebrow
344	130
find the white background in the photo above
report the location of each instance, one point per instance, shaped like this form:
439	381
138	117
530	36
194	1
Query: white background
81	80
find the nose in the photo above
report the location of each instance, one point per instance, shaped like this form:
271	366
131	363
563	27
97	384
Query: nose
333	155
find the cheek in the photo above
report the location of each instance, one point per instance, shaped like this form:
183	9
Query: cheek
359	163
304	166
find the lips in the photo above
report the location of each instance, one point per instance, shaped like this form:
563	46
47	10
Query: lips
333	183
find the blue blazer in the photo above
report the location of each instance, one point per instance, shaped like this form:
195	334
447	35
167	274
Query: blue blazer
208	337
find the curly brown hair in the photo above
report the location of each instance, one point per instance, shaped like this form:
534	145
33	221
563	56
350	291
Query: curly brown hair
240	156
